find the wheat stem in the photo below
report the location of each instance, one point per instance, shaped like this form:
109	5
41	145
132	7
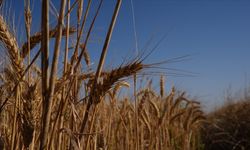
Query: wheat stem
45	69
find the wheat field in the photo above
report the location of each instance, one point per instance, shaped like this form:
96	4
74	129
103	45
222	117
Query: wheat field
43	108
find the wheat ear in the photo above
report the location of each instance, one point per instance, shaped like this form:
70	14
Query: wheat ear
10	42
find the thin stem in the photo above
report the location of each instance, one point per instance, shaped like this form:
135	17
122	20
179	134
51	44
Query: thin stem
28	19
64	71
13	134
136	114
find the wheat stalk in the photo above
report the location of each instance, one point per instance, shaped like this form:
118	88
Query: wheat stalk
45	76
162	86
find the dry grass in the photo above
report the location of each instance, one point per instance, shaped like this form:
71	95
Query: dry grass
78	109
228	127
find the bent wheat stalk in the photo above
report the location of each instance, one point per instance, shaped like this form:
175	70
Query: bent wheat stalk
37	37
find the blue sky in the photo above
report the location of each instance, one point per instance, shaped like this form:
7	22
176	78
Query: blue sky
215	33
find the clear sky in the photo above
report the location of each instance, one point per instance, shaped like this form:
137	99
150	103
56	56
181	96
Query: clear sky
216	33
